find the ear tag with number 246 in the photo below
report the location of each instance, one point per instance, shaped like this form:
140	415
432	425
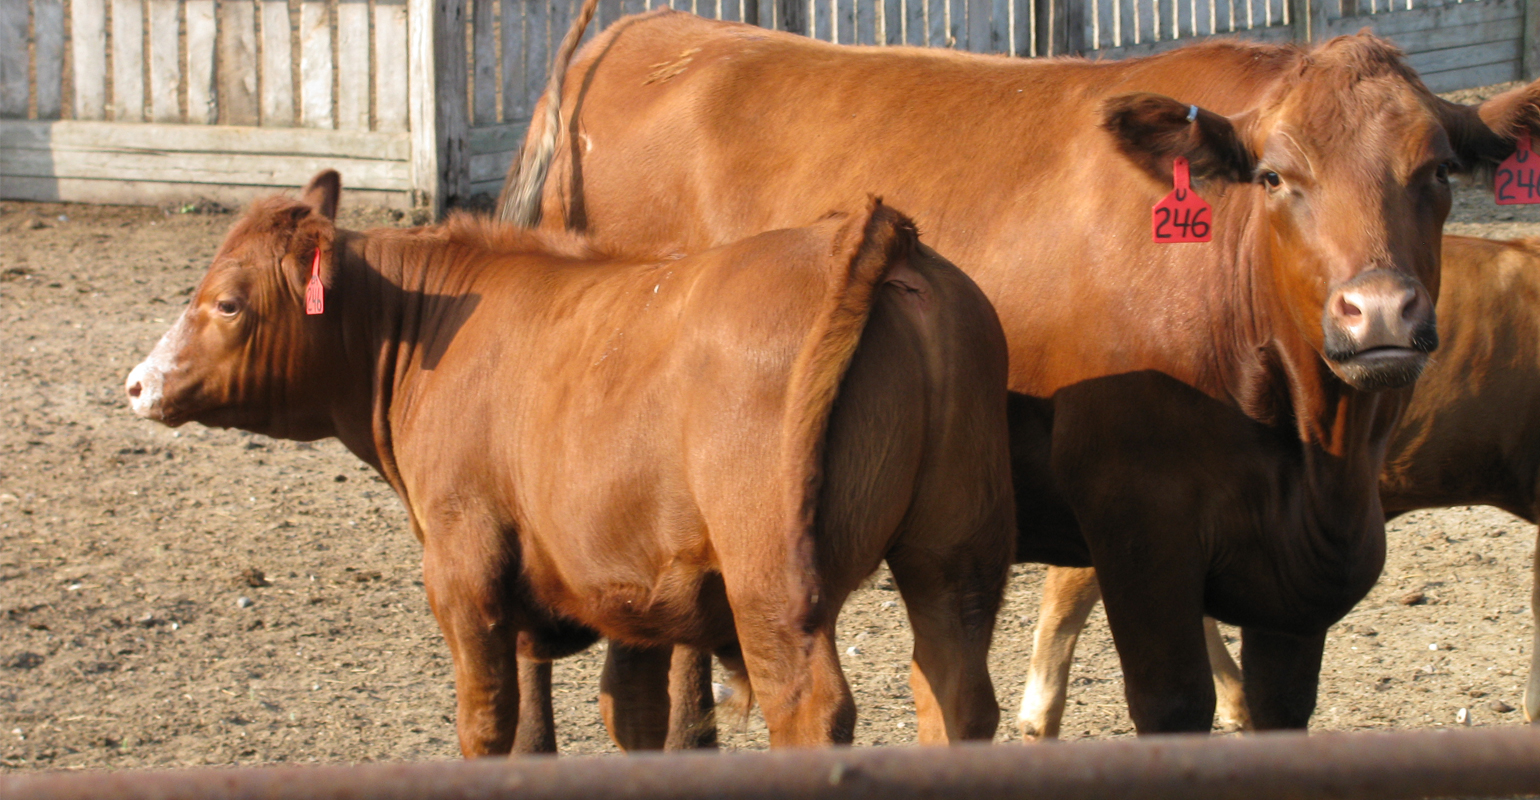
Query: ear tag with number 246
1518	178
315	294
1182	216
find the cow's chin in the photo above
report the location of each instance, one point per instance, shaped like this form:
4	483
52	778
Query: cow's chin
1380	368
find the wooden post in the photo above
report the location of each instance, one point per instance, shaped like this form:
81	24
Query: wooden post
438	112
1060	27
1531	43
793	15
1308	19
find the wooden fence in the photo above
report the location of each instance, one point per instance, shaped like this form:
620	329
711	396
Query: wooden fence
424	101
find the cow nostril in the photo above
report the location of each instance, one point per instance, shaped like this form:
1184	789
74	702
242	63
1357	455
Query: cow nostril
1412	307
1347	308
135	389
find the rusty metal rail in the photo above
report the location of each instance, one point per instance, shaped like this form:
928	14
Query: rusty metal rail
1496	762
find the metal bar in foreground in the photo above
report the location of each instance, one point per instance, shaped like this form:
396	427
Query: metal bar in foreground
1493	762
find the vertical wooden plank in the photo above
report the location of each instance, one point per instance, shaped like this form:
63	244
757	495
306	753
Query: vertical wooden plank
201	100
791	16
957	24
390	64
1128	21
823	21
706	8
1026	28
165	73
237	62
980	18
88	46
483	63
127	60
936	34
731	11
845	21
914	22
537	22
1224	16
422	101
315	65
866	21
1530	66
48	44
14	91
452	126
277	64
353	65
510	29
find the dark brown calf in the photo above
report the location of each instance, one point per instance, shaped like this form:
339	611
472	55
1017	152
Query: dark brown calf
1471	436
1204	423
711	451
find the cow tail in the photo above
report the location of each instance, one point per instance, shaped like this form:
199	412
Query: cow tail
870	244
519	202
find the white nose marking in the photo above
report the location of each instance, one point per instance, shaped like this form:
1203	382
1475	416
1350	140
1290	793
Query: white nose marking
144	389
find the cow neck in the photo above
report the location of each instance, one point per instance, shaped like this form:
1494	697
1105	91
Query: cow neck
390	272
1341	432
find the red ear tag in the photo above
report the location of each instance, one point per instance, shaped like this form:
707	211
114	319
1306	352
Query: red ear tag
315	295
1518	178
1181	216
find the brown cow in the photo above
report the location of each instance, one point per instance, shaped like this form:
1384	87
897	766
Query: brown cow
1471	436
712	451
1203	423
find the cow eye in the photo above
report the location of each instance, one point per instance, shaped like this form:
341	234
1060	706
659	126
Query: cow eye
227	306
1443	172
1272	179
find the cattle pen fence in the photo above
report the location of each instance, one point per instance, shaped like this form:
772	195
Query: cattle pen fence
1496	762
423	102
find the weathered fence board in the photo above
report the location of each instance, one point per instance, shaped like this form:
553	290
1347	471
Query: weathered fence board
165	72
455	81
315	64
353	65
201	108
277	64
48	40
127	60
237	60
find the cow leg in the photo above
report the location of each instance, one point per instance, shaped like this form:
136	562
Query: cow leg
952	622
633	695
786	634
537	718
691	721
1069	594
467	598
1228	687
1156	615
1282	674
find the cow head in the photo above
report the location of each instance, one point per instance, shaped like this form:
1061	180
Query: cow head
1346	164
244	354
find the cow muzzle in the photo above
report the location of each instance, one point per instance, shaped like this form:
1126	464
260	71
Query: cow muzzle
145	390
1379	330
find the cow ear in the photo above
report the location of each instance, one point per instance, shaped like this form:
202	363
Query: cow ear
1484	135
1151	130
323	193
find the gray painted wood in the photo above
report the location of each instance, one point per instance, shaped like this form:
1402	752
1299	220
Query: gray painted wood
165	72
483	63
48	41
237	55
1530	66
201	98
277	64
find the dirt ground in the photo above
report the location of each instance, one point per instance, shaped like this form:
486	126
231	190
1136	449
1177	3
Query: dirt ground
193	596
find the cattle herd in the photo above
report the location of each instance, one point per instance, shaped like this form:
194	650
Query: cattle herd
757	314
